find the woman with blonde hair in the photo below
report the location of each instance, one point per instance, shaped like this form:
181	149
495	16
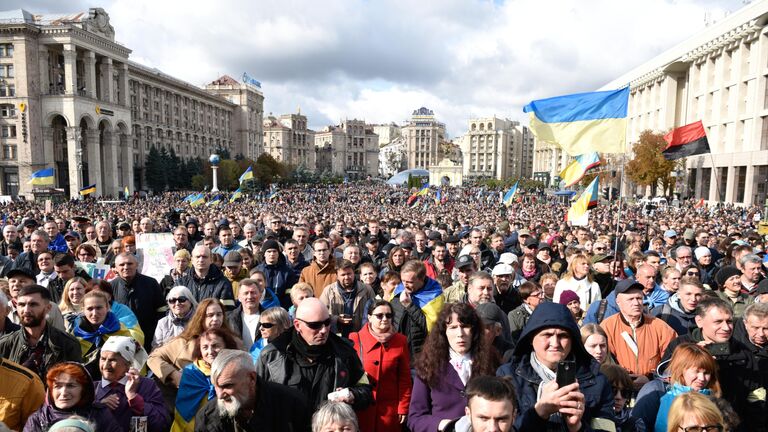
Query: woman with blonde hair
596	343
71	304
692	369
579	279
694	412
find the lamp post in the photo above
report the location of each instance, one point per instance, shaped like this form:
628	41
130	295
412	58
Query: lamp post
214	160
79	159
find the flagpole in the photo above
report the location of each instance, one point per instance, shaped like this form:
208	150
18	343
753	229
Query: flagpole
618	214
717	179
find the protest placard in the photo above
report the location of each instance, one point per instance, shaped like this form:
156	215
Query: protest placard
155	254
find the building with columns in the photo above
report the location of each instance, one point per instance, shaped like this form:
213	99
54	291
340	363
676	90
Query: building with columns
718	76
70	99
496	148
423	137
289	141
350	149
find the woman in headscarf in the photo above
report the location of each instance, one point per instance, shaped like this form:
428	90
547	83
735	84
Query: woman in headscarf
124	391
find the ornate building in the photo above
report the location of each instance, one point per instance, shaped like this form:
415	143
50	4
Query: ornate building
70	99
496	148
289	141
423	136
350	149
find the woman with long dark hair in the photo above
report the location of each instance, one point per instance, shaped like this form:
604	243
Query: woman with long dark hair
455	350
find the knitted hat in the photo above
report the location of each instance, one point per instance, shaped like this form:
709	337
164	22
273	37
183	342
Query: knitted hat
725	273
701	251
270	244
568	296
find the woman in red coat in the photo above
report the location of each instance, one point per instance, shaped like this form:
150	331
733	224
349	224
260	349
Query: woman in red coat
384	354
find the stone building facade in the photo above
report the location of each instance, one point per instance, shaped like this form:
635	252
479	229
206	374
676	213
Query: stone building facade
350	149
423	135
70	99
289	141
496	148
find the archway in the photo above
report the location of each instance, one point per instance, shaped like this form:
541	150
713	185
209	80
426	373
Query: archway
445	181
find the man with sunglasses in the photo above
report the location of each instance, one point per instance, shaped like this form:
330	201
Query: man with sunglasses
313	360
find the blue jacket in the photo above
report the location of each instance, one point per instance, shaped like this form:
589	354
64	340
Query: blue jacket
594	385
647	401
58	244
611	309
666	402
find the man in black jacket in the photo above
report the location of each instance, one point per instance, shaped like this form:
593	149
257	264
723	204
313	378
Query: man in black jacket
315	361
205	280
37	345
139	292
246	402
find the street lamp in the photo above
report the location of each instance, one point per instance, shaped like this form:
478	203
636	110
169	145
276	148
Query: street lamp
79	158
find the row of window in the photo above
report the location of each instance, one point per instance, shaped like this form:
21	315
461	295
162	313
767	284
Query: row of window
7	90
6	50
6	71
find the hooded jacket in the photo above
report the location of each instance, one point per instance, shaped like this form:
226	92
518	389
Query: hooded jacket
280	278
598	394
93	412
673	314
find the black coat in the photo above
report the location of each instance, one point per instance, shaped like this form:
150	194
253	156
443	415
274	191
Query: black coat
146	299
213	285
278	408
411	322
280	363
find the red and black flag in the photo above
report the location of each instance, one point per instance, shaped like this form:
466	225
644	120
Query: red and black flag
688	140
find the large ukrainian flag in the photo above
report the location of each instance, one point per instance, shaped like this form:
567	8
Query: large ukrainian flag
582	123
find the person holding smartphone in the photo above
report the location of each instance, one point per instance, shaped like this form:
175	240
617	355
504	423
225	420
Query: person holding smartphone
559	384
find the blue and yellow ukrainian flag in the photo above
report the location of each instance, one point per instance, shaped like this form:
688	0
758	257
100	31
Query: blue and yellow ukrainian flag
126	192
236	195
586	201
582	123
576	170
88	190
43	177
214	201
189	197
273	195
195	390
429	299
197	200
510	195
247	175
438	197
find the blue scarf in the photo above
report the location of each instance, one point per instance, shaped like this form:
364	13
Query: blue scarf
110	325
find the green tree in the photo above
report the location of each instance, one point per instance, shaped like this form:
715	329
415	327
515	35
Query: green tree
649	168
154	170
174	171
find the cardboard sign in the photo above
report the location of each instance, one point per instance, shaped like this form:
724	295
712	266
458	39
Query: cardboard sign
155	252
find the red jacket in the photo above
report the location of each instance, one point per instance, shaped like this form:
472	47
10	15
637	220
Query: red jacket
389	372
429	263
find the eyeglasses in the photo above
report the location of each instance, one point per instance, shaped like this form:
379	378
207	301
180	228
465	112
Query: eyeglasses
599	248
180	300
381	316
316	325
684	257
267	325
707	428
625	393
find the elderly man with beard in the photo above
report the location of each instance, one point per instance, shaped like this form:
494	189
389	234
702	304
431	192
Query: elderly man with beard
246	402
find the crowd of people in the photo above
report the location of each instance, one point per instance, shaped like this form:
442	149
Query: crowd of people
346	308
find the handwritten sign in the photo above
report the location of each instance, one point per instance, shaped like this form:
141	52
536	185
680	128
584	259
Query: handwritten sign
155	254
98	271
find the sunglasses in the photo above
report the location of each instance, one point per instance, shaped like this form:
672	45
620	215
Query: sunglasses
625	393
707	428
381	316
180	300
692	273
267	325
316	325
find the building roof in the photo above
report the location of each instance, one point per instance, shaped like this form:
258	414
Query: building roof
16	16
225	80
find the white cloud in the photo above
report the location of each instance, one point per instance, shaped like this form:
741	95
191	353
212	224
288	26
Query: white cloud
379	60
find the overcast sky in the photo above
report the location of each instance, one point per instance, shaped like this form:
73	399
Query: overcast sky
379	60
